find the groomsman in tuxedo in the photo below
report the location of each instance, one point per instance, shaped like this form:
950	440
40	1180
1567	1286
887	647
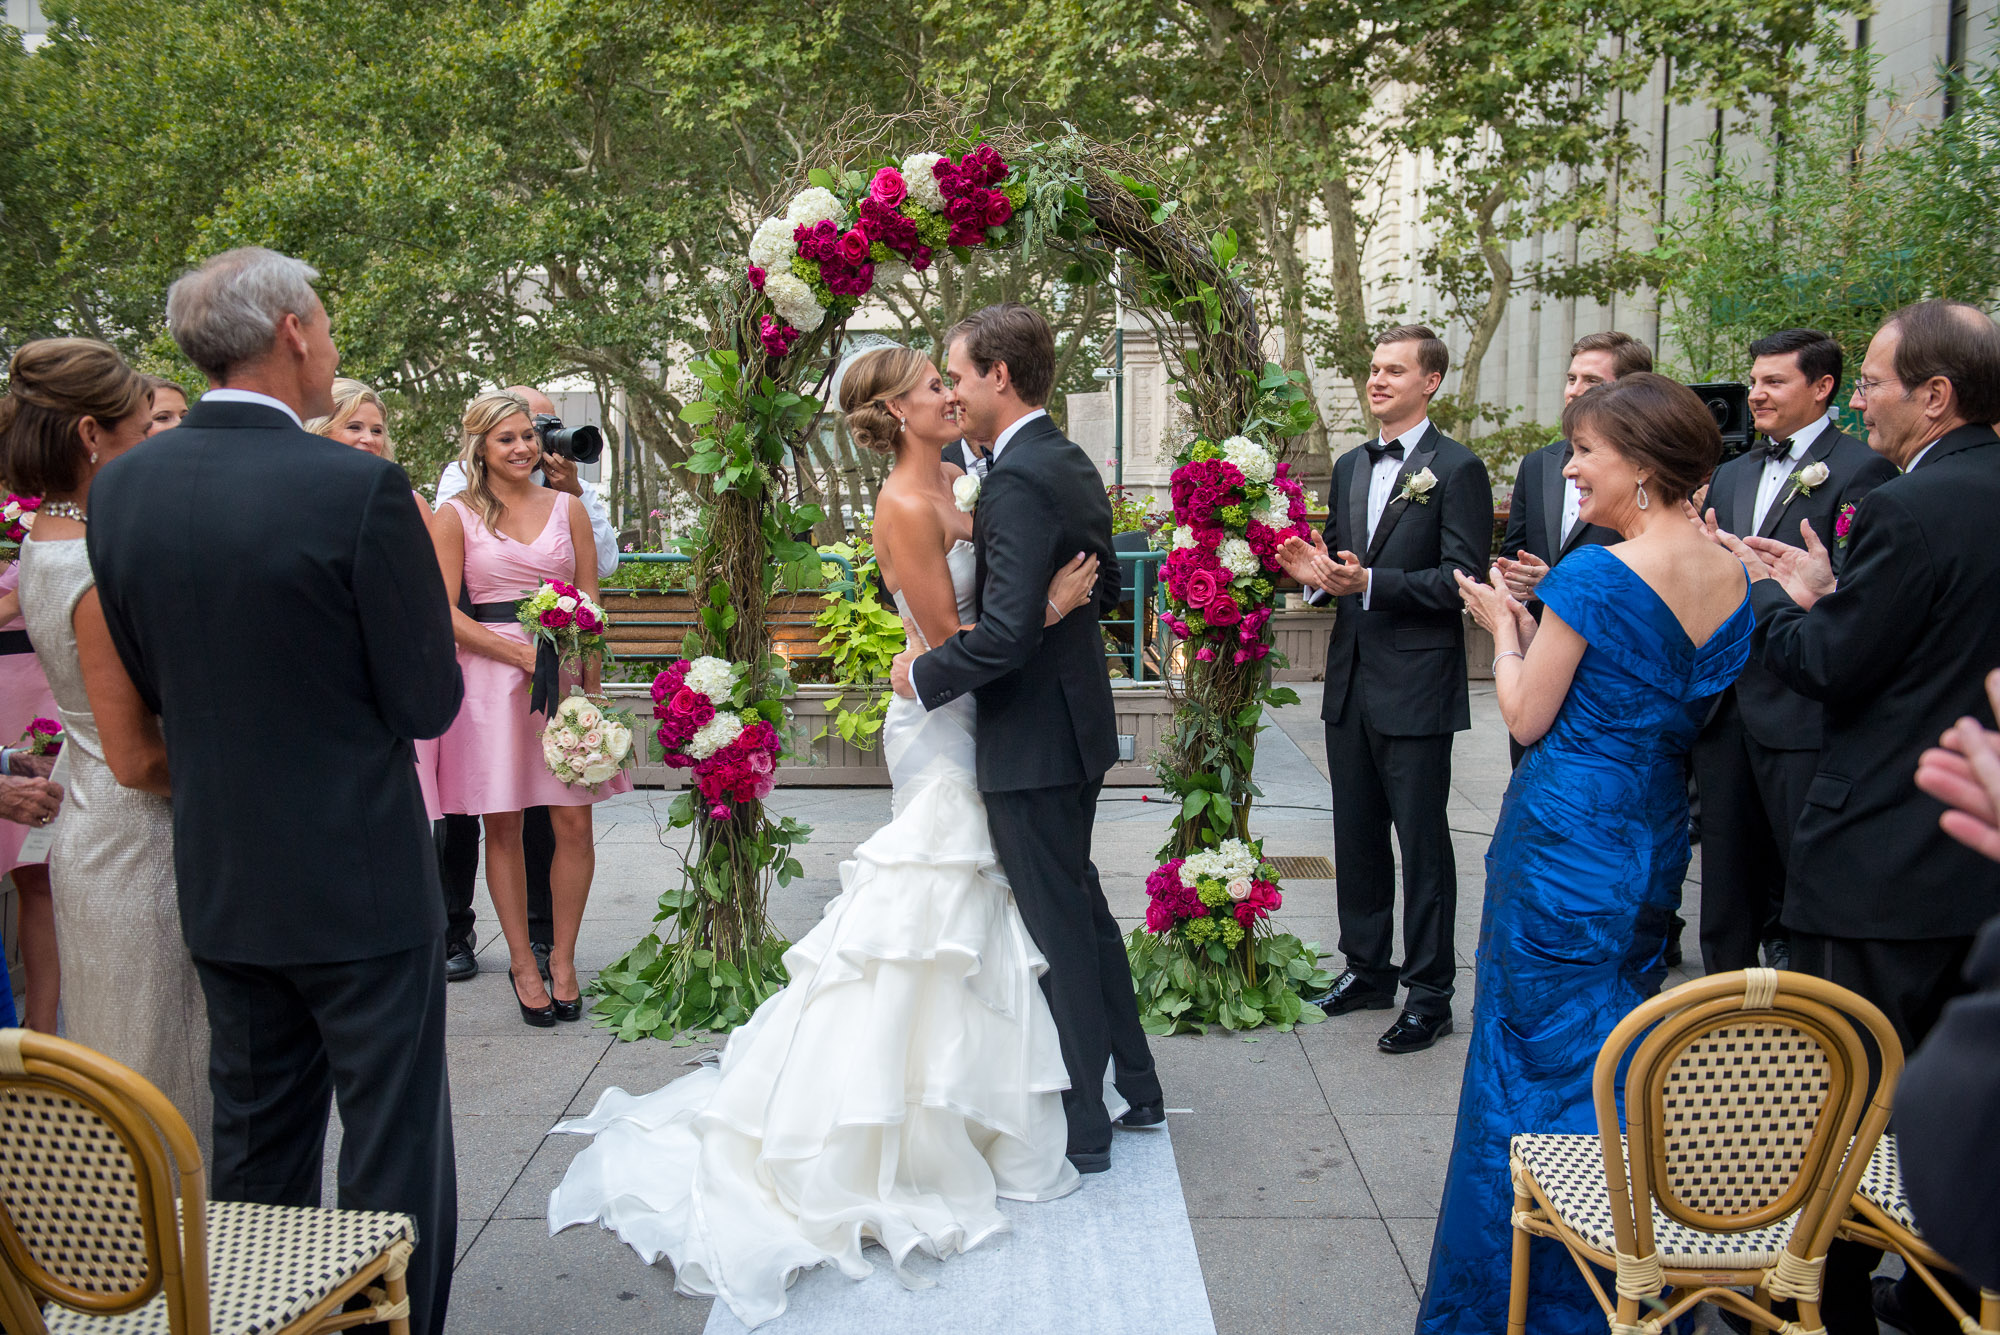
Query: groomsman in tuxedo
969	455
1755	757
1407	511
1542	523
276	600
1878	897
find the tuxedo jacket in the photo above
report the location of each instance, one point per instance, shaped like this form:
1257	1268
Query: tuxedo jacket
1045	713
1777	717
959	455
276	600
1896	654
1535	515
1407	647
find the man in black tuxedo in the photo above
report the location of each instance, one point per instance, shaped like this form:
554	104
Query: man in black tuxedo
1047	730
1542	522
1756	755
1878	898
275	598
969	455
1417	507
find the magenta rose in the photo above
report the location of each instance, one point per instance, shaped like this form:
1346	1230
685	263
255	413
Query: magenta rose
555	618
920	258
998	208
757	278
853	246
1205	654
888	188
1223	611
1202	588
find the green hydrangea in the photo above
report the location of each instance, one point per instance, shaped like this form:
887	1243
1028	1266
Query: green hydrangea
880	253
932	229
1199	930
1211	893
1261	587
1204	450
808	273
1253	493
1232	933
1233	516
1016	192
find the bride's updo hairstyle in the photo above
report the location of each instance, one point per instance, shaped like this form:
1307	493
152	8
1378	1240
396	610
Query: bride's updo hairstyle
871	380
1657	425
52	385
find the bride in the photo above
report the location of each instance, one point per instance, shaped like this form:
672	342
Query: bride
909	1074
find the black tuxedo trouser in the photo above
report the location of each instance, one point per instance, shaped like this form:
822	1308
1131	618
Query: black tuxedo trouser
1380	782
1910	981
1751	797
1042	836
457	840
283	1041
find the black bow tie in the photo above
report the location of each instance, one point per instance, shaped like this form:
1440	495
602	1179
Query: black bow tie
1376	449
1777	449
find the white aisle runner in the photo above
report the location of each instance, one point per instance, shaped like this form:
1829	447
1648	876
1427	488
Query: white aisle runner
1115	1257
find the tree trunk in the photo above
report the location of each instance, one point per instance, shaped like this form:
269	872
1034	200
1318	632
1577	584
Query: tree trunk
1500	286
1351	344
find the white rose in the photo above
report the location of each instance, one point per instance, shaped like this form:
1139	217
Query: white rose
11	511
965	492
597	771
1252	459
922	180
566	603
1237	558
552	755
717	733
587	716
1811	476
617	742
711	677
28	520
1239	888
1421	482
772	246
815	204
796	305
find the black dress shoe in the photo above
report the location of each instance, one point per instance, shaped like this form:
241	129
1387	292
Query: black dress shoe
459	961
1413	1032
1349	993
541	1017
1777	953
1090	1163
541	958
566	1010
1145	1114
1887	1300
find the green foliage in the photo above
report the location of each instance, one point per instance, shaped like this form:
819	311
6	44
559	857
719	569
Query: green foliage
1184	989
862	637
1854	218
1130	514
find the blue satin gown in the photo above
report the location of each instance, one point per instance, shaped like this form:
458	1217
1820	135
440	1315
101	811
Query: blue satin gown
1585	868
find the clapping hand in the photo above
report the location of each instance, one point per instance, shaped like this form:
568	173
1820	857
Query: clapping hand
1315	566
1806	572
1963	772
1522	574
1495	607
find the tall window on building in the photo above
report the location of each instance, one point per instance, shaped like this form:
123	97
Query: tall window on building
1954	49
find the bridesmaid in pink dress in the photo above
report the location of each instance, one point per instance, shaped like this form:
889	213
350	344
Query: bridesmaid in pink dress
360	419
501	539
24	697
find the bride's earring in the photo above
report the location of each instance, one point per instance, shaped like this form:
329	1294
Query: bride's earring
93	456
1645	501
900	424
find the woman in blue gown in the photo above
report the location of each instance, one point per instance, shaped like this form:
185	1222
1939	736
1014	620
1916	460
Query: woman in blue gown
1591	848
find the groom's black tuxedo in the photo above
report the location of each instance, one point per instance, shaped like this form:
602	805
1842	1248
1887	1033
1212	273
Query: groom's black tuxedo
1756	754
276	599
1047	732
1395	694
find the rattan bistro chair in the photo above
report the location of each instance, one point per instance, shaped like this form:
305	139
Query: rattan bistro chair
1881	1217
91	1239
1748	1121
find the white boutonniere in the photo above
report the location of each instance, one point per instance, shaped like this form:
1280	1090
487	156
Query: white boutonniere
1417	487
965	492
1805	479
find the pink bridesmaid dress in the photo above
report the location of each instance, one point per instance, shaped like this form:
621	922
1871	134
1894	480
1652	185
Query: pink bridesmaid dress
427	747
491	757
24	697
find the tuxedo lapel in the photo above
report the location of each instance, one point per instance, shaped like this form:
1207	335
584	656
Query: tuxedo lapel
1788	492
1552	500
1415	462
1357	500
1743	512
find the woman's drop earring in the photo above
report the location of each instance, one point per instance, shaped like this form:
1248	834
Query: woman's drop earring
1645	501
900	424
93	456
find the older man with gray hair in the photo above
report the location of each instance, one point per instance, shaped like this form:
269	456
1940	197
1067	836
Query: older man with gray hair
275	598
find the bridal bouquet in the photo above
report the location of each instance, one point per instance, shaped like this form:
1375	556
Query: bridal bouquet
587	741
1216	895
564	616
44	737
707	726
17	516
843	237
1234	506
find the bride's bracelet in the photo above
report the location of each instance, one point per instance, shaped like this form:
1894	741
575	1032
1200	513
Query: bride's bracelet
1507	653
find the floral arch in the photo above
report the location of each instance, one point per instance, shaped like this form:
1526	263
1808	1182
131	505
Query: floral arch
874	216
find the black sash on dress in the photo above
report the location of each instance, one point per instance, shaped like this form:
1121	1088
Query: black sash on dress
548	666
14	642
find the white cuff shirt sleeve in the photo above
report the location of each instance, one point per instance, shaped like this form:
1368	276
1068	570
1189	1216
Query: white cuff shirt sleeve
1368	589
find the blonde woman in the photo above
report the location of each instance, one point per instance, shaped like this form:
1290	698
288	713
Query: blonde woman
358	419
500	539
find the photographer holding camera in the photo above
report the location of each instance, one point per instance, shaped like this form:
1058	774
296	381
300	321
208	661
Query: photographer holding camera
563	448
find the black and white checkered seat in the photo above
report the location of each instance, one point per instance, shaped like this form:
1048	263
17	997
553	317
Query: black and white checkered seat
1882	1184
1570	1170
267	1265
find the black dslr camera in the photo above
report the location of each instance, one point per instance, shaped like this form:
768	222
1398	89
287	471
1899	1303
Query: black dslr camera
585	444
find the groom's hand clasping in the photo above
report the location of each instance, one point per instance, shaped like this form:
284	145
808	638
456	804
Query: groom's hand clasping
899	674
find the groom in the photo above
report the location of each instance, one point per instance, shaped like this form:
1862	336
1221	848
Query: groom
1047	730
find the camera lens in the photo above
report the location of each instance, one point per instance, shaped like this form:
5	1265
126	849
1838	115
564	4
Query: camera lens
585	444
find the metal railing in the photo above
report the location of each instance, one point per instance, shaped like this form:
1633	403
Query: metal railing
1131	632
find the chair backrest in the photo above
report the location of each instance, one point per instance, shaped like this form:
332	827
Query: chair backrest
87	1218
1748	1097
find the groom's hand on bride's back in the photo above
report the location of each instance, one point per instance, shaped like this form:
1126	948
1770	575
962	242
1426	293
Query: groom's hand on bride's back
899	673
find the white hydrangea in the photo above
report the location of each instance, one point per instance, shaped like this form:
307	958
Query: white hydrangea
710	677
1238	559
814	204
892	273
1183	538
1230	860
772	247
795	302
922	181
1275	510
1253	459
715	734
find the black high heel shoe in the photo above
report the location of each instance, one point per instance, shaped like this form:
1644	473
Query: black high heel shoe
566	1010
541	1017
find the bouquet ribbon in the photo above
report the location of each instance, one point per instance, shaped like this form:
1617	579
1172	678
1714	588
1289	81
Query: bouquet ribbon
548	664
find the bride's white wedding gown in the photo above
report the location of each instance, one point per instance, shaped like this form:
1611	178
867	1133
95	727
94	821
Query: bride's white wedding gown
907	1076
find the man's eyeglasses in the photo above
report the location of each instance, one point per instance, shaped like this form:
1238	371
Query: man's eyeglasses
1866	387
